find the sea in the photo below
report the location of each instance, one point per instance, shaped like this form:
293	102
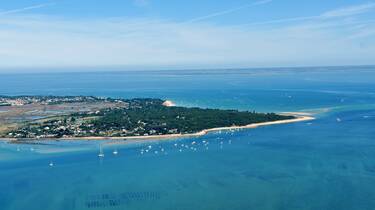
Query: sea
325	164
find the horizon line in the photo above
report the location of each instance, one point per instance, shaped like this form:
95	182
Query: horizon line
117	69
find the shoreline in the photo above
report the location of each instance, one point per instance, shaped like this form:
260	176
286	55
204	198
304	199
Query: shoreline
300	117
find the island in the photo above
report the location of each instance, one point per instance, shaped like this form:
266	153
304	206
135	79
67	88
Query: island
88	117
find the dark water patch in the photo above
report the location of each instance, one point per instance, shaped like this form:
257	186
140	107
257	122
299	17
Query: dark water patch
218	183
22	185
267	176
114	200
342	166
370	168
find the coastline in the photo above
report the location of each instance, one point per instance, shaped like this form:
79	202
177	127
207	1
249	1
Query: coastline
300	117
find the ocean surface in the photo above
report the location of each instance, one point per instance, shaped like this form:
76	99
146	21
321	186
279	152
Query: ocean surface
324	164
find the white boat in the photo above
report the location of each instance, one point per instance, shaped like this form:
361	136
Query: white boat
115	152
101	154
51	164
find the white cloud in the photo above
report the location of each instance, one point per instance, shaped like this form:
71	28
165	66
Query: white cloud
363	32
225	12
349	11
332	14
45	41
24	9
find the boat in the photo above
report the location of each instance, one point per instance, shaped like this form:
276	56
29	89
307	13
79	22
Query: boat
51	164
115	152
101	154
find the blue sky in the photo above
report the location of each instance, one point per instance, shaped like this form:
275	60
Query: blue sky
162	34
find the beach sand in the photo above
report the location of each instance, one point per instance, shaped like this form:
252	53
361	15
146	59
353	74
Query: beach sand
138	139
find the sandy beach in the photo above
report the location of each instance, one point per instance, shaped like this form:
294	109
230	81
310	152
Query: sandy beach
136	139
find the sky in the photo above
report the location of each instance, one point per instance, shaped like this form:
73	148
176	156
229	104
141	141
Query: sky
185	34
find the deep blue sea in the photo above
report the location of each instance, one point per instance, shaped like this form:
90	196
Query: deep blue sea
326	164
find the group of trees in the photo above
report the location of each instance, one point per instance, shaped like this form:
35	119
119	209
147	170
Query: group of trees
185	120
148	116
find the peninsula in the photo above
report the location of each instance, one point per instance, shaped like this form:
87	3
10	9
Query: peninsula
86	117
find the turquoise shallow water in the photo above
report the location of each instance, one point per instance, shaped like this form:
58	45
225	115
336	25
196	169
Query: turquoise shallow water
325	164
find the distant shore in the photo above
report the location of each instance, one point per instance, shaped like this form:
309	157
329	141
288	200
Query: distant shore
300	117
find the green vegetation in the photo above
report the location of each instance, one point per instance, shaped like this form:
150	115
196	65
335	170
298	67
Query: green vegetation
141	117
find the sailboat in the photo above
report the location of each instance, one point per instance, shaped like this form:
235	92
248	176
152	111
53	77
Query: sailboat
101	154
